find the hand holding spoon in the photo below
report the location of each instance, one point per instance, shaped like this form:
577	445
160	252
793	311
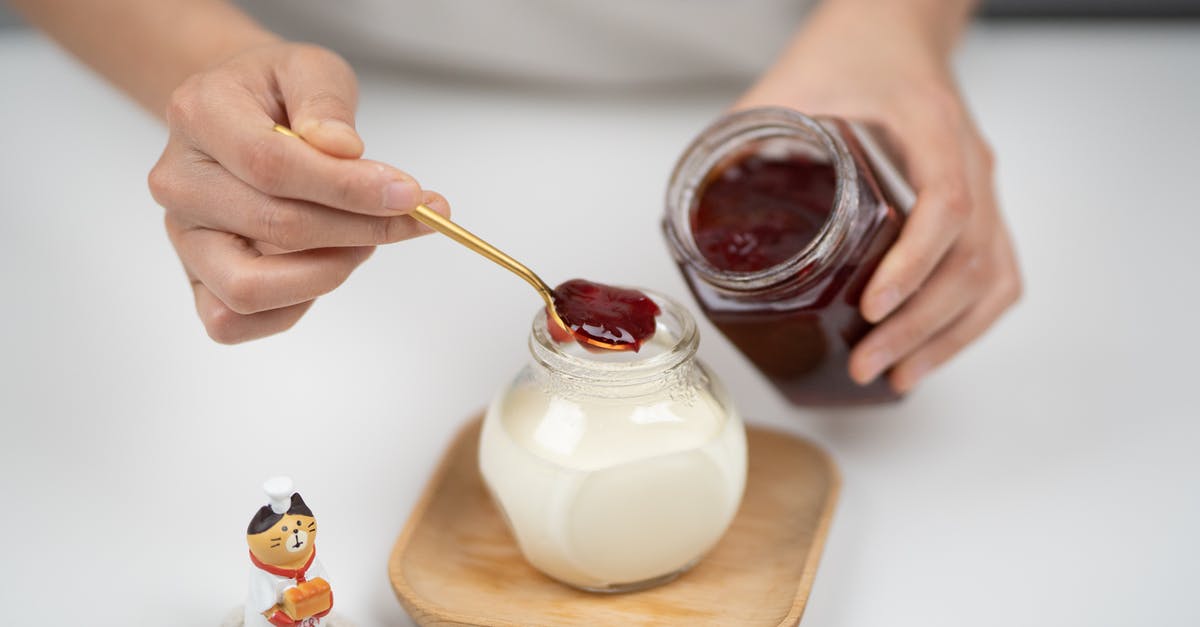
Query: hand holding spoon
600	329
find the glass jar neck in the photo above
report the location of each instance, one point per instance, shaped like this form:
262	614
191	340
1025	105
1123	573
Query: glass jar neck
732	137
666	360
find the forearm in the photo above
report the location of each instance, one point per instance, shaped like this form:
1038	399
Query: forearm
937	23
846	41
146	47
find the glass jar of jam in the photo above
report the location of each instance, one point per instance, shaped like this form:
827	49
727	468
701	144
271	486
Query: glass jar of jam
615	470
777	221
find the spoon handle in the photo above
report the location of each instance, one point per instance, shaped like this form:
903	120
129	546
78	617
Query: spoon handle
445	226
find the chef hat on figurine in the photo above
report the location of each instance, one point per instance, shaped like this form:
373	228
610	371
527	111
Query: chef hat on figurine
279	490
282	499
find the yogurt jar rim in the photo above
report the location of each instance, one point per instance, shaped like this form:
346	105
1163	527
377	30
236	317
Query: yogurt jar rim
676	319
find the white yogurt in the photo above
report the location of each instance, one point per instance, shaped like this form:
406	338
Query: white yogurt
606	492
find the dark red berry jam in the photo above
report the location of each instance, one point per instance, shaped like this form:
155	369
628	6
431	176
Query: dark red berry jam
760	211
603	316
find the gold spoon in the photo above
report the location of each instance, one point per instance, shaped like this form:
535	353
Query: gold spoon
435	221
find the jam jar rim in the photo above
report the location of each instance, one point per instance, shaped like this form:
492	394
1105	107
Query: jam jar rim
721	138
547	353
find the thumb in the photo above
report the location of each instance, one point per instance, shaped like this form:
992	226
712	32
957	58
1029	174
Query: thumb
320	93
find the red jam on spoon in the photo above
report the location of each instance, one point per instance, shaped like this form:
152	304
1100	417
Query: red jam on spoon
603	316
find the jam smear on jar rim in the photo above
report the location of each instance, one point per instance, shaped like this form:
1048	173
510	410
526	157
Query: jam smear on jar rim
602	316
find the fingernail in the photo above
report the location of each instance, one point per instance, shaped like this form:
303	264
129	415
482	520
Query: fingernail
875	362
401	195
883	304
338	126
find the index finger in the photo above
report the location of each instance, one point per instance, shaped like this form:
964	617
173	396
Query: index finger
936	159
242	139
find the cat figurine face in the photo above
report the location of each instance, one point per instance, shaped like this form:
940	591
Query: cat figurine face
283	540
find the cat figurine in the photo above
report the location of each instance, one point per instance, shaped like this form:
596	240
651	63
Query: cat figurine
288	585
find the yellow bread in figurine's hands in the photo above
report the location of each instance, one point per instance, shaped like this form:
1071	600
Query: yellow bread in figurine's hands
307	599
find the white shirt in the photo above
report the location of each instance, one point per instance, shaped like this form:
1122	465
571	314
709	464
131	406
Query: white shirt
613	42
267	589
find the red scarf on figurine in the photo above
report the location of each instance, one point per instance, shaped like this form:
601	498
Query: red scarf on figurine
290	573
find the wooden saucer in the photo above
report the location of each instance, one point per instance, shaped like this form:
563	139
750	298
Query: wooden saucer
455	562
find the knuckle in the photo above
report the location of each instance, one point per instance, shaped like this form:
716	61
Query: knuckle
943	102
1012	289
1004	284
311	55
223	325
342	277
908	334
345	267
911	270
241	292
265	165
956	201
286	325
282	224
348	185
324	100
987	156
182	104
976	269
173	228
957	338
387	230
162	184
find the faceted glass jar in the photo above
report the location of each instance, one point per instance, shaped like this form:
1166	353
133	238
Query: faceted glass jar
615	470
797	320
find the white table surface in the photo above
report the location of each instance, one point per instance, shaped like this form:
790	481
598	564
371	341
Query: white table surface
1048	477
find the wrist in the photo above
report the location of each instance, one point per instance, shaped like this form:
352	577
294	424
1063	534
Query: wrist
849	51
211	46
253	36
203	36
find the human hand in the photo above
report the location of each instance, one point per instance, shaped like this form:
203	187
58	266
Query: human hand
263	223
953	270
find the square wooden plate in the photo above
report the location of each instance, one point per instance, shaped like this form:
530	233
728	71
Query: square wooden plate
456	563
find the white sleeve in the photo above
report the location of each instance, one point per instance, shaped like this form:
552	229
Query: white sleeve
264	590
317	570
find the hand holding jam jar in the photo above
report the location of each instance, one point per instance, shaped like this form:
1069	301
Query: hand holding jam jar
951	270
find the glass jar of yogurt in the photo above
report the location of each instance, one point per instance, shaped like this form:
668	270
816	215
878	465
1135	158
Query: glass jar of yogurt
615	470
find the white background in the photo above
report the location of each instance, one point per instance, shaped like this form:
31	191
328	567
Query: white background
1048	477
